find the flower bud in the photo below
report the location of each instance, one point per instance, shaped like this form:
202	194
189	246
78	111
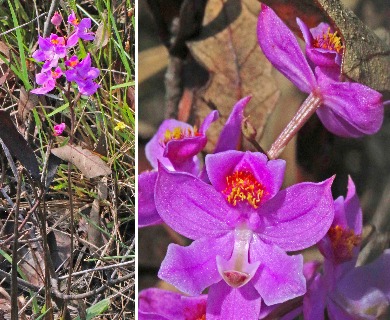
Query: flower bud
56	19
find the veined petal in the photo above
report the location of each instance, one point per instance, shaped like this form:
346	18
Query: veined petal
147	212
190	206
279	277
227	303
281	47
72	40
349	109
314	301
231	131
161	304
299	216
192	269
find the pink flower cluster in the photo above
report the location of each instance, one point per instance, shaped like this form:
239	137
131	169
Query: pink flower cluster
56	47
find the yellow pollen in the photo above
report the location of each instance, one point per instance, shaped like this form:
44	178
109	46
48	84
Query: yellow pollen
343	241
54	41
329	41
54	74
180	133
203	317
75	21
243	186
73	63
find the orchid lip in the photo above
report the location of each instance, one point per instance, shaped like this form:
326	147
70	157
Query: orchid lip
237	271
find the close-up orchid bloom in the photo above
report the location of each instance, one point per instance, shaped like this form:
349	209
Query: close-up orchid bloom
186	143
346	109
242	226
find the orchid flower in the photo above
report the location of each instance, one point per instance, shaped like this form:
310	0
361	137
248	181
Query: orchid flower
50	50
160	304
242	226
345	291
59	129
176	145
345	109
80	31
47	80
83	74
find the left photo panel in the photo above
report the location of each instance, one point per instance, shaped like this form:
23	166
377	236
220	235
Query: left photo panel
67	156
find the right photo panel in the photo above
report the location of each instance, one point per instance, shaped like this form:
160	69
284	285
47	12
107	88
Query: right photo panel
263	160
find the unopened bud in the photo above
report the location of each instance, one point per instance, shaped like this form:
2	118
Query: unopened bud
248	130
56	19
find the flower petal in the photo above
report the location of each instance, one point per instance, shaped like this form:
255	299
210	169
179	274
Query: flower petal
225	302
281	47
298	216
159	304
360	281
190	206
211	117
314	301
194	268
154	149
231	131
147	212
353	210
279	277
349	109
269	173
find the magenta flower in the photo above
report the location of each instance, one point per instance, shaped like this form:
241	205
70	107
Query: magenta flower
83	74
160	304
242	226
176	145
345	109
81	30
323	45
345	291
180	154
50	50
47	80
56	19
59	129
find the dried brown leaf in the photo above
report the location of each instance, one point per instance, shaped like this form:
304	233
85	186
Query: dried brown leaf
87	162
229	50
16	144
26	103
102	36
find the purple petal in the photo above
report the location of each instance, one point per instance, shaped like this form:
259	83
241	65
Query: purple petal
279	277
154	149
87	36
147	212
190	206
72	40
281	48
44	44
231	131
88	88
298	216
211	117
225	302
353	210
350	109
72	19
360	281
269	173
93	73
39	55
192	269
314	301
85	23
335	312
179	151
159	303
